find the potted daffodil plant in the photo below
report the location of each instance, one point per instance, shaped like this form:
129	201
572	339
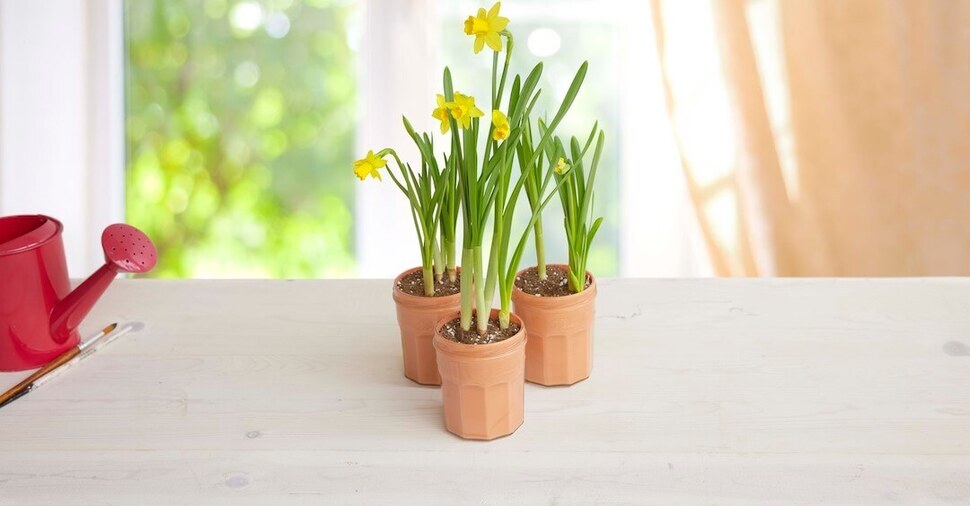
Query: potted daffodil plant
480	350
425	294
558	302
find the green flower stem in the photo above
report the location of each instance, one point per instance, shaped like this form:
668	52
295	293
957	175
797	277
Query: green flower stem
491	276
504	318
482	308
439	261
428	275
496	95
540	250
467	294
450	268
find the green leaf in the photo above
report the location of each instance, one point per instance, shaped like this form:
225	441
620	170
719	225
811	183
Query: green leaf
592	172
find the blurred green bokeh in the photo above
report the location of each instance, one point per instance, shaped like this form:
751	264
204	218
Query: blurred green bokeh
236	112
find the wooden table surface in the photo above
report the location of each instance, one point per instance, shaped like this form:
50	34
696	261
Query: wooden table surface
703	391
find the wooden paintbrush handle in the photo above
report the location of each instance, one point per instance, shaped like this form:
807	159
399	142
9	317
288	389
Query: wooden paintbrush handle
53	364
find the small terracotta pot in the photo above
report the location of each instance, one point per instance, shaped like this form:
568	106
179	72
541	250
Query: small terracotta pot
560	349
416	317
482	385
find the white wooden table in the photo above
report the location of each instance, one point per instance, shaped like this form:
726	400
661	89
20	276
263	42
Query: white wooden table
703	391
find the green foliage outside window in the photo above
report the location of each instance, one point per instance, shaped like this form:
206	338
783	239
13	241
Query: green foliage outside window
240	124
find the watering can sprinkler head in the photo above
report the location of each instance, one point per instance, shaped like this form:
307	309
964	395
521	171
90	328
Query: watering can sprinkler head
127	249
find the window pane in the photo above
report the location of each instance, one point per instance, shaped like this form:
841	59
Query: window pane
238	114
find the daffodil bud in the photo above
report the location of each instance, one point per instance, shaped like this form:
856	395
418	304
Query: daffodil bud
501	124
561	166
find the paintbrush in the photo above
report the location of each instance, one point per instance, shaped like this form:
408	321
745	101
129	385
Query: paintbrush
61	364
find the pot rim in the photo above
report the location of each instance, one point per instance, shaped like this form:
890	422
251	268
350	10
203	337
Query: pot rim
478	350
519	295
416	300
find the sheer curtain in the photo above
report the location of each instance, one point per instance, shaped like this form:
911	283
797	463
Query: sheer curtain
823	138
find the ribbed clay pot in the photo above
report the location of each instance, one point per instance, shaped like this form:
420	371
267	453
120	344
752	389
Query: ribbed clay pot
560	349
416	317
482	385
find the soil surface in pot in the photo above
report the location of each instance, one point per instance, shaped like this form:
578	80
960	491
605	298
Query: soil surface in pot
556	283
453	332
413	284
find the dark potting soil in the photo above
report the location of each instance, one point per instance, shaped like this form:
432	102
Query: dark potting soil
453	332
413	284
556	283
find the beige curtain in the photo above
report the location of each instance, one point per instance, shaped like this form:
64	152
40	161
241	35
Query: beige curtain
849	125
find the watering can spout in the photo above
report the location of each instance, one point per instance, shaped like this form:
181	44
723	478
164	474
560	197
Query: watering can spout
69	312
126	249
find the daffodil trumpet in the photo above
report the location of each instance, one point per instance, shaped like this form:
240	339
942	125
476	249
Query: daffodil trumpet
425	191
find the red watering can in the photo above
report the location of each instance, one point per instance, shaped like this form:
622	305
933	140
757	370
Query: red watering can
39	314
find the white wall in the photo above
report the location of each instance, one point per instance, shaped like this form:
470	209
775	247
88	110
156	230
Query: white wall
61	115
399	40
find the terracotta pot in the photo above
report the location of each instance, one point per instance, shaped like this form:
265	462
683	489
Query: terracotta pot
482	385
416	317
560	349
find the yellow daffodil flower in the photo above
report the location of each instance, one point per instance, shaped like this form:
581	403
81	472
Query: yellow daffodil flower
368	166
463	109
561	167
486	28
501	130
442	114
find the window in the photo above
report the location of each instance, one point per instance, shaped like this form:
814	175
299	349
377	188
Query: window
240	123
226	128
